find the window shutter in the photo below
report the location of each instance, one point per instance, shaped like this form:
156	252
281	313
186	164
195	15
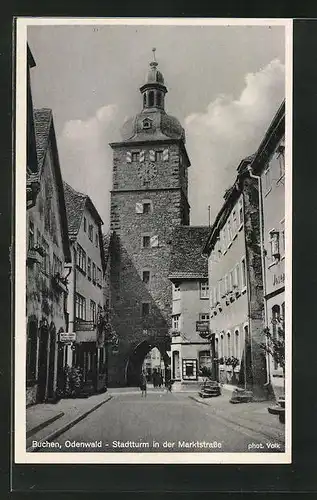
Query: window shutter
152	155
139	208
165	155
154	241
142	156
129	157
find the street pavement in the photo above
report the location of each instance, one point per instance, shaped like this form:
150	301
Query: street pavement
172	422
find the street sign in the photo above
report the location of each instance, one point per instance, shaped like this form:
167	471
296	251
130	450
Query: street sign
67	336
85	326
202	326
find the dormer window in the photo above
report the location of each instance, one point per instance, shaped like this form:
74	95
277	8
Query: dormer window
147	123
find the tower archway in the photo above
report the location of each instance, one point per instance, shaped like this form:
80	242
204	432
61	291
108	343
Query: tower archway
137	357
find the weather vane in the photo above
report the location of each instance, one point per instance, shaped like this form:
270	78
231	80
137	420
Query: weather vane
154	50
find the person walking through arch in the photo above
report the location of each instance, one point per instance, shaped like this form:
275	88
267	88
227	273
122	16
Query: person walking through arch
143	383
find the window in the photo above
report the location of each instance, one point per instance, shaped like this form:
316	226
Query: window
81	258
267	180
226	284
176	322
146	183
96	239
203	317
91	232
240	205
146	208
93	311
224	238
57	265
176	291
135	156
274	240
158	155
151	98
222	345
229	231
283	238
204	290
31	234
85	224
222	287
231	280
234	222
146	241
146	123
145	309
158	99
243	274
229	344
99	277
80	306
146	277
94	273
190	369
46	259
144	102
204	359
237	278
89	268
237	344
281	158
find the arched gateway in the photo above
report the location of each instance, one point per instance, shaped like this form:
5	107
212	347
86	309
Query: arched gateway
148	200
137	356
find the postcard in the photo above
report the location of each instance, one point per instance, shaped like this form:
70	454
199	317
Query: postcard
153	234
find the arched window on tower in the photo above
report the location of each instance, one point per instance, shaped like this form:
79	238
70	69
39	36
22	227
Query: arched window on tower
151	98
158	99
144	100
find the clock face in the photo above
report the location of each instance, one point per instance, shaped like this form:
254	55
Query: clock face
147	171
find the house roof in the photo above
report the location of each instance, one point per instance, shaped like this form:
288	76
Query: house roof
45	137
187	261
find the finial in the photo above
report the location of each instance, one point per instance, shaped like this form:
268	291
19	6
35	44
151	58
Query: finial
154	62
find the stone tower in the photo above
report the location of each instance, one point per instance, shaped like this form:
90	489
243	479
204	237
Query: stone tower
148	199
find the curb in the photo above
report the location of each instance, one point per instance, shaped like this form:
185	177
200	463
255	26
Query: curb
68	426
243	424
46	423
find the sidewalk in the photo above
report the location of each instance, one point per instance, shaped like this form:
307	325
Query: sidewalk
254	416
48	421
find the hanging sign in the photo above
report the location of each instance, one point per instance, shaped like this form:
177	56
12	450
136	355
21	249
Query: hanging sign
67	336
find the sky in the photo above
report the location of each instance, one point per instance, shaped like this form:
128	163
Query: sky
225	83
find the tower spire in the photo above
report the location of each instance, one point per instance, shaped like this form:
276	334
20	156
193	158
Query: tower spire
154	62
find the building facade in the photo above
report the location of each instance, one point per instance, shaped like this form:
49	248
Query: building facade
86	295
269	165
236	286
190	304
148	199
47	253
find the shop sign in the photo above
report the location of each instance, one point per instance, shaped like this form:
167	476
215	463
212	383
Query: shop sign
85	326
67	336
202	326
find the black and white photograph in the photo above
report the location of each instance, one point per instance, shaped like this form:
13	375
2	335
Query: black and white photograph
153	222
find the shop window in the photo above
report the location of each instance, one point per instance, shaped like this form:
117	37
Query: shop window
145	310
204	290
189	369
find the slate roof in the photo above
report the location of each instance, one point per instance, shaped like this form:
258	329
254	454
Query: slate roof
75	204
187	261
42	124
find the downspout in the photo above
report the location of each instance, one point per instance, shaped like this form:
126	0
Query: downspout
258	178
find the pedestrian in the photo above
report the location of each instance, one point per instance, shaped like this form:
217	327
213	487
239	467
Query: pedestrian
143	383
